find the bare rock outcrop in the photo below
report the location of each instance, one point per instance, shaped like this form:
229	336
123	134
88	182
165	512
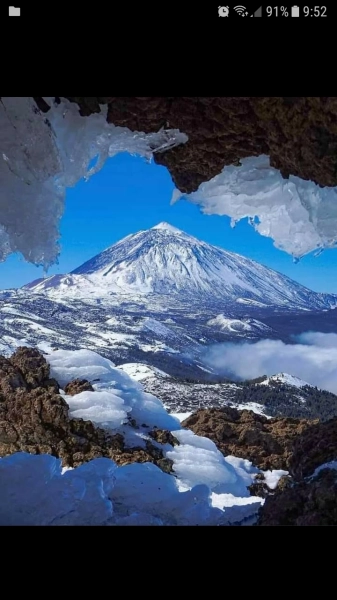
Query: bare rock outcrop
268	443
298	133
308	503
76	386
34	418
296	445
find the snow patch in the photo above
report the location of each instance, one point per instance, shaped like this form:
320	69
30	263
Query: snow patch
140	371
237	325
332	464
258	409
181	416
167	227
271	478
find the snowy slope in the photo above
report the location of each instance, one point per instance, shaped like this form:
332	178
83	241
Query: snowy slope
166	261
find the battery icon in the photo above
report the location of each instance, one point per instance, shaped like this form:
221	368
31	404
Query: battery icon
295	11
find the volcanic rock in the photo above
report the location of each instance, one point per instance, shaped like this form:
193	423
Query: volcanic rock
266	442
298	133
34	418
296	445
312	502
76	386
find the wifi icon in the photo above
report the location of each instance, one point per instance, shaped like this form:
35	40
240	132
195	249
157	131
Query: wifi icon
241	10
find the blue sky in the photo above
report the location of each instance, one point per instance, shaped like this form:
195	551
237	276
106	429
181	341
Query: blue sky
129	194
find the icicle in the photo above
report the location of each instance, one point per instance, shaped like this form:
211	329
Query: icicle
176	195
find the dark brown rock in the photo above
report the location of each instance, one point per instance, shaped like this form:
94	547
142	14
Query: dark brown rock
298	133
34	368
309	503
76	386
34	418
162	436
266	442
296	445
317	445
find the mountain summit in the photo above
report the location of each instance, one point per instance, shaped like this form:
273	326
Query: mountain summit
163	226
166	261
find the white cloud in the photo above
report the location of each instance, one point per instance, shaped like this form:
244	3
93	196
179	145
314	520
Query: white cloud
314	359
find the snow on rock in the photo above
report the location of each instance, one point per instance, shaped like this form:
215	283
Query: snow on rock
157	327
140	371
181	416
102	407
259	409
286	379
34	491
205	488
42	155
163	226
197	459
298	215
116	395
272	478
66	365
237	325
332	464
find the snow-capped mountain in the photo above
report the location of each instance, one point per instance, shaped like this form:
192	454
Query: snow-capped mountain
168	262
160	297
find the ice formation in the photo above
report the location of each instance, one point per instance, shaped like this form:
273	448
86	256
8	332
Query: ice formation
42	155
298	215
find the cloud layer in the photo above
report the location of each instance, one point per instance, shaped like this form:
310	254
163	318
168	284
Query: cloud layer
313	359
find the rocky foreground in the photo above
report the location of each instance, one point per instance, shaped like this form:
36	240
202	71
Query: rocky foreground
34	417
297	445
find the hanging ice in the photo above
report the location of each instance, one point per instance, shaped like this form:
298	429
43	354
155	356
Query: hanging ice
298	215
42	155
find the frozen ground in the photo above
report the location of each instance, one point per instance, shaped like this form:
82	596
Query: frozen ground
205	489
